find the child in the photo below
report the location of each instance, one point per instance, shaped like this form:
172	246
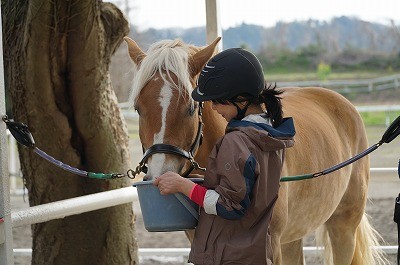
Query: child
241	182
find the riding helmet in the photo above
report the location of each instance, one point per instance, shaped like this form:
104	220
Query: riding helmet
228	74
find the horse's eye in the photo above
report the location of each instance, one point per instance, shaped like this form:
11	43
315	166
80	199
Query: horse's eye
137	110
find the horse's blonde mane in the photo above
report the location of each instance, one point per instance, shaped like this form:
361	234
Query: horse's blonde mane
168	56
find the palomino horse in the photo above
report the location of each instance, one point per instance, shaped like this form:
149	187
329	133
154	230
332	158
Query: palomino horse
329	131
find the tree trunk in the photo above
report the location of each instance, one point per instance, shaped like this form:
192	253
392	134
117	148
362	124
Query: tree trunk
57	55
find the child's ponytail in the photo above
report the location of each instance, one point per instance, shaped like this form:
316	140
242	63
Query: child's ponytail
270	97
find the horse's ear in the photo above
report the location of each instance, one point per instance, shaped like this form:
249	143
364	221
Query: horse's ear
136	54
199	59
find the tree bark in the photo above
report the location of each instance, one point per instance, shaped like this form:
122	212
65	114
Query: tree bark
57	55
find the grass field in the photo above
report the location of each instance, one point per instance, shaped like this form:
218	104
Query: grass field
275	76
379	118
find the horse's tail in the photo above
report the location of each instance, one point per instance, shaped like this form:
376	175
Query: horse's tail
367	250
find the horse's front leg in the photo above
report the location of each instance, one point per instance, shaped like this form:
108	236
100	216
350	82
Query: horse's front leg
276	250
292	253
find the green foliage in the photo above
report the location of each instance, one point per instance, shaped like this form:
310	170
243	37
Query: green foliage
304	58
323	70
279	59
285	75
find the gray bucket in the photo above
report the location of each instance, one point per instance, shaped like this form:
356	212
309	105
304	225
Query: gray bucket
166	213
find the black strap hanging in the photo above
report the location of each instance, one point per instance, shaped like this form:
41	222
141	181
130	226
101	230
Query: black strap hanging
20	132
390	134
396	219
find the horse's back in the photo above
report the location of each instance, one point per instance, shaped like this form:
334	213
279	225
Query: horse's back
324	118
329	130
314	105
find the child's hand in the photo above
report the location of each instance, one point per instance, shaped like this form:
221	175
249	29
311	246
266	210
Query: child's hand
170	182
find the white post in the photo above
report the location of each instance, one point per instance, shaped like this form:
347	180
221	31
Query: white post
6	240
12	164
213	25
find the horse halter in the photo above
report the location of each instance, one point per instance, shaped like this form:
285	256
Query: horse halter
175	150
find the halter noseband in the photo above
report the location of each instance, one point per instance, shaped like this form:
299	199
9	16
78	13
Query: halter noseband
175	150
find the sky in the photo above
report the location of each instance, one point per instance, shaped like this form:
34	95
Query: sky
145	14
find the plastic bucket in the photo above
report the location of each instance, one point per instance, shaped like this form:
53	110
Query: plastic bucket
166	213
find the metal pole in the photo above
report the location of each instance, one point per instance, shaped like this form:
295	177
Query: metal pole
213	25
6	240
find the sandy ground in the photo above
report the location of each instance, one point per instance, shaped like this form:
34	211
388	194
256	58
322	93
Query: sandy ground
383	188
380	210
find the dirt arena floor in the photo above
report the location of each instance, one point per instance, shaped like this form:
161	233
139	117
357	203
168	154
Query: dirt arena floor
383	189
380	211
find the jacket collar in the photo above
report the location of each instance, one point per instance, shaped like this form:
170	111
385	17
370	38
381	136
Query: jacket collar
284	130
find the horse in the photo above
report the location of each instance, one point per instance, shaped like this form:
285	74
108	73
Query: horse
329	131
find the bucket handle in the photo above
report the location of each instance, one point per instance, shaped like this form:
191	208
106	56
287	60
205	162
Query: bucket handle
187	205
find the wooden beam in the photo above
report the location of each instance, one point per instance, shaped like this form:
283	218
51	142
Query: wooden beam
213	25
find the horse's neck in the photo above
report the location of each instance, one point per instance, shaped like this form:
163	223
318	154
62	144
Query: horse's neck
214	129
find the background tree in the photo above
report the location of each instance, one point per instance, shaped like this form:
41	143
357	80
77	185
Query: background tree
57	55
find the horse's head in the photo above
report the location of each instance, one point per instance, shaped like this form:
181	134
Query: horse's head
169	120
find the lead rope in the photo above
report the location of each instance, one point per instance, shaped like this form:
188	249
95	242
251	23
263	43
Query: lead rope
390	134
23	136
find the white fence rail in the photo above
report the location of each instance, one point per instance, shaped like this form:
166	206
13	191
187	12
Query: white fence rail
60	209
351	86
180	252
376	108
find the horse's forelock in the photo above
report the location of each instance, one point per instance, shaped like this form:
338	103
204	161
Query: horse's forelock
170	56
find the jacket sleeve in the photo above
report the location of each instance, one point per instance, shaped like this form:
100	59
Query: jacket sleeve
237	170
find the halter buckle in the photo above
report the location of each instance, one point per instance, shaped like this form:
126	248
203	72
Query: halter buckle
196	165
133	173
117	176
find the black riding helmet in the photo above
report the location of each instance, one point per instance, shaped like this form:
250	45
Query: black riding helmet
230	73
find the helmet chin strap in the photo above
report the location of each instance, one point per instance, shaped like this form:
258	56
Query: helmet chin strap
241	112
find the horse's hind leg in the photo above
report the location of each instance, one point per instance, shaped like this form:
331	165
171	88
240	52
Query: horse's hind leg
342	225
292	253
342	235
